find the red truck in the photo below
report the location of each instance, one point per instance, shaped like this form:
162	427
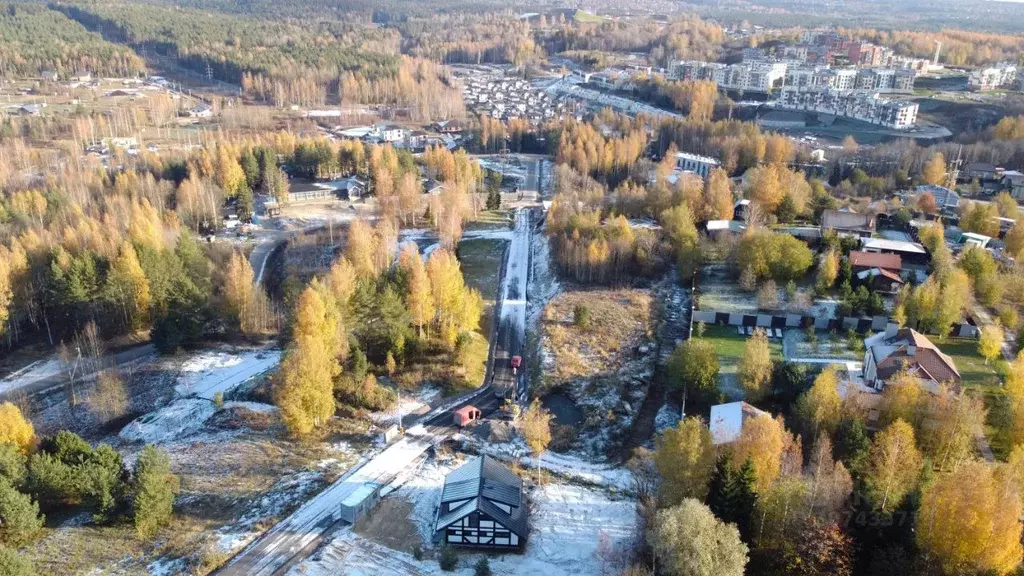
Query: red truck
516	362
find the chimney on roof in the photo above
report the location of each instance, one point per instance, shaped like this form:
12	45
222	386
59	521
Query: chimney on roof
911	350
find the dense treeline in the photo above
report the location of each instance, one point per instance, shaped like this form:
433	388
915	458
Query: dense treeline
34	39
63	473
466	38
688	38
959	47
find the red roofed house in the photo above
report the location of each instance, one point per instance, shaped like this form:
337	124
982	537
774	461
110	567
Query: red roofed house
860	261
894	350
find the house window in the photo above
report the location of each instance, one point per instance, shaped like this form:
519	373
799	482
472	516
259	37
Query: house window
474	521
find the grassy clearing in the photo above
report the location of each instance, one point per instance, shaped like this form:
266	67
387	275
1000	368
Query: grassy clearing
975	372
490	220
481	267
618	319
730	345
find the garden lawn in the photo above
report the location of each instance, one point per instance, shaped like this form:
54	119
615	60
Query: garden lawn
729	345
976	374
481	267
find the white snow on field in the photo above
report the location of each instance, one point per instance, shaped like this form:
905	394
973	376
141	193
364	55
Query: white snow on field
317	515
178	419
544	285
517	274
564	465
35	371
668	416
257	407
213	371
416	403
166	567
566	526
295	487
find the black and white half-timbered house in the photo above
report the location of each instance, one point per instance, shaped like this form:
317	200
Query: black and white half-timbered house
482	506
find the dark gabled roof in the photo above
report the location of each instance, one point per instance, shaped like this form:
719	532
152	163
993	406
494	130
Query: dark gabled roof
515	522
482	482
483	476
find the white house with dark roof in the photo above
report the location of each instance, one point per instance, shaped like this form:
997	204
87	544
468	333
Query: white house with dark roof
482	506
727	421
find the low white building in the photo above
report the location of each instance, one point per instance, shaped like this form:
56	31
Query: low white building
727	421
700	165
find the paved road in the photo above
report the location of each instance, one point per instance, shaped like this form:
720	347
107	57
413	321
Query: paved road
299	534
120	359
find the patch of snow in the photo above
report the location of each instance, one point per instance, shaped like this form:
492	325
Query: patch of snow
409	404
39	370
166	567
212	371
668	417
517	274
543	284
271	504
257	407
178	419
565	465
318	514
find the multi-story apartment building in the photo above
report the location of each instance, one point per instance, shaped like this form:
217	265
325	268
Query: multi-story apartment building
858	106
1001	75
757	76
885	80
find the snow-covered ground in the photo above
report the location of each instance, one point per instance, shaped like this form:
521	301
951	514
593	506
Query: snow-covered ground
544	283
178	419
202	376
517	274
668	417
223	370
34	372
317	515
408	404
565	465
566	526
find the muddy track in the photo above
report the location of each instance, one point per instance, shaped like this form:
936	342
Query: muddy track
672	326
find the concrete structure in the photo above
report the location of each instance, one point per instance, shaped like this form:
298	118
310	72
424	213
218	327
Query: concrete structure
890	352
857	106
482	506
727	420
759	76
725	227
700	165
1002	75
848	222
907	251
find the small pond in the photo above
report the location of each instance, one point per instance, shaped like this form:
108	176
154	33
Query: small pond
562	407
